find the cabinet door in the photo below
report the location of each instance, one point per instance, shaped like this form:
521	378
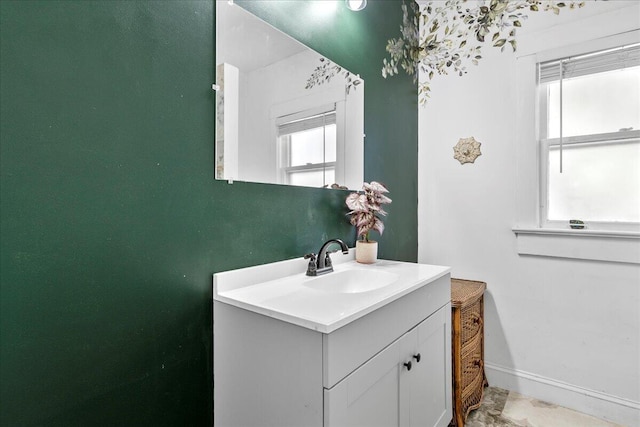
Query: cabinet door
425	390
385	392
368	397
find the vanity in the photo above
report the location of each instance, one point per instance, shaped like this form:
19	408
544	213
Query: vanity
364	345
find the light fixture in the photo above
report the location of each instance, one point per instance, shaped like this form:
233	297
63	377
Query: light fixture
323	7
356	4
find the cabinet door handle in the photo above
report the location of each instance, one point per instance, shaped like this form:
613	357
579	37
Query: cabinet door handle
408	365
417	357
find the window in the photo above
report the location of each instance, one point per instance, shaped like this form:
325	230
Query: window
308	149
589	132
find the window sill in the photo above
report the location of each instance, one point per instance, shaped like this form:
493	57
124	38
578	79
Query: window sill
597	245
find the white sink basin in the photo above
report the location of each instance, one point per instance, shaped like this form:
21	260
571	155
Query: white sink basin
353	281
324	303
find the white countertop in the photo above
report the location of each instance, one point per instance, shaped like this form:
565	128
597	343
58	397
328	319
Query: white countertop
283	291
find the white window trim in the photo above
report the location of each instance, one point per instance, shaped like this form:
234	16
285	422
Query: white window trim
333	98
596	245
284	145
619	28
609	138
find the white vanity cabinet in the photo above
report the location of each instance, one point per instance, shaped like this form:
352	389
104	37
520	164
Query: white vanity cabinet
270	371
406	384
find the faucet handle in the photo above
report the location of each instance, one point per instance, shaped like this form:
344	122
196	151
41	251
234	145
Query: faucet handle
313	266
327	259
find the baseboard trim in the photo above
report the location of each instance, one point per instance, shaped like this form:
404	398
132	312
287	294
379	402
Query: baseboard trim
602	405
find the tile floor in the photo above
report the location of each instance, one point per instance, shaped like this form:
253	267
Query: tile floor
503	408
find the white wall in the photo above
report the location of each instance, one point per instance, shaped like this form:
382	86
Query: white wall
566	331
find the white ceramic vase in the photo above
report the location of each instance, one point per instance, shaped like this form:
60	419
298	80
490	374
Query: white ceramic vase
366	252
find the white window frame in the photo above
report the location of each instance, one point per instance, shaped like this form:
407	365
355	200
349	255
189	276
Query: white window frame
347	173
621	137
284	142
625	137
615	28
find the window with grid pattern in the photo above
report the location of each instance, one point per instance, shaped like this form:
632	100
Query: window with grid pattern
589	133
308	150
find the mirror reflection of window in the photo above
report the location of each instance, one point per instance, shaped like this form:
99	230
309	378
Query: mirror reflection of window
308	150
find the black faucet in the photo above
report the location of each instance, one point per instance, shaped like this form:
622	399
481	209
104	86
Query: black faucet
321	263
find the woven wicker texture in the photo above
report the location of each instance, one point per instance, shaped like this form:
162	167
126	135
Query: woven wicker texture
471	366
468	341
471	320
473	345
464	292
473	399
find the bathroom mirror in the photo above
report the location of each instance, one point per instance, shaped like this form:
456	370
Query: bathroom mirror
284	114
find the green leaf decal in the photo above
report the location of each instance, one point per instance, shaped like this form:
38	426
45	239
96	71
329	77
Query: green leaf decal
440	36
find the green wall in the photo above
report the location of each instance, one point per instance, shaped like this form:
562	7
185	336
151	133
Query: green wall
112	223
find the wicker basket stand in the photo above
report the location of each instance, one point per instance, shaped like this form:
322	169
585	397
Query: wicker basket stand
467	346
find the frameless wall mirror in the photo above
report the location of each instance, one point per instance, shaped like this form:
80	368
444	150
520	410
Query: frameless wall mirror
284	114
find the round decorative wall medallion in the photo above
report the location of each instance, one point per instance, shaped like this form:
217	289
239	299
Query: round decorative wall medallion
466	150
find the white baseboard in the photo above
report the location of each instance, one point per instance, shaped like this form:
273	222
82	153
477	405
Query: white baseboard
601	405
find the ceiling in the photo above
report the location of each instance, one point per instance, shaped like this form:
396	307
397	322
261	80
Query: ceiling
236	29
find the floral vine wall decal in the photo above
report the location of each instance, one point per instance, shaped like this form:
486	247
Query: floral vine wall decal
328	70
467	150
441	37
